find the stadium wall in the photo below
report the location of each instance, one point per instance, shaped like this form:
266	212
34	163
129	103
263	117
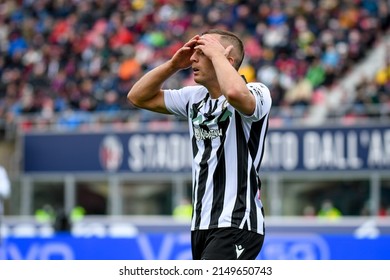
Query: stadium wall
164	238
309	158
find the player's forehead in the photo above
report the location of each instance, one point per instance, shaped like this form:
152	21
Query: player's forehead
216	36
211	35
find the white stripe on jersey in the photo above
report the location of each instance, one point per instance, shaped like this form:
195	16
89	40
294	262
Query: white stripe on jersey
208	196
231	176
248	201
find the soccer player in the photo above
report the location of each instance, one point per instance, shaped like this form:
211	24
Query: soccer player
228	121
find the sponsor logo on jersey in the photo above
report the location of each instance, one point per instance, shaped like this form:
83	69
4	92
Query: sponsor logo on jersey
202	134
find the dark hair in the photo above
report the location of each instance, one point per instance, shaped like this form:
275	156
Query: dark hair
232	39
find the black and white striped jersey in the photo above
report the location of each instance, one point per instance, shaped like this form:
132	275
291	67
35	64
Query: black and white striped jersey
227	149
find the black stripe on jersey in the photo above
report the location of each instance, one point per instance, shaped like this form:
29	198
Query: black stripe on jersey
254	137
219	177
200	191
194	146
187	108
263	148
242	170
259	127
254	187
262	212
204	170
219	183
195	113
193	193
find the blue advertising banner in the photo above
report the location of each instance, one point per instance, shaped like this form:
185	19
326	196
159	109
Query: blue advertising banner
328	149
176	246
288	150
139	152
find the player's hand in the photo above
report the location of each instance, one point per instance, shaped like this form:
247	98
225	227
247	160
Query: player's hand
210	46
181	59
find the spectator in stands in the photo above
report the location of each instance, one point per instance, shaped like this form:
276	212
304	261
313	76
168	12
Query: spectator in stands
74	52
45	214
309	211
328	210
382	82
183	210
77	214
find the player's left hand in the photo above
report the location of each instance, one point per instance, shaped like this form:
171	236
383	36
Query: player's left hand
210	46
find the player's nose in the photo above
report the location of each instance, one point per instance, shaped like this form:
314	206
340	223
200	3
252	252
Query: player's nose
194	57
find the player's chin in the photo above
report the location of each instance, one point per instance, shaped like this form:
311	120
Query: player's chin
197	78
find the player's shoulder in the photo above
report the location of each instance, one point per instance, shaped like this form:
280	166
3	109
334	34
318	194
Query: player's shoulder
194	92
257	85
259	88
197	89
187	91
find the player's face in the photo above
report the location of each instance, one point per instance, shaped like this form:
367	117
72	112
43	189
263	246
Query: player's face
202	68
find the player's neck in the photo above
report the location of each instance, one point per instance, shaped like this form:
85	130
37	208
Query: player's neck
215	91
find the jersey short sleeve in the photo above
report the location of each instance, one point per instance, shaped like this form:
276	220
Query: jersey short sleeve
177	100
263	100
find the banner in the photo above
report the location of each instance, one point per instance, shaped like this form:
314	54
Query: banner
328	149
287	150
177	246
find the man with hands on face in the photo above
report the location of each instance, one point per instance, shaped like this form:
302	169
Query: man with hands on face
228	123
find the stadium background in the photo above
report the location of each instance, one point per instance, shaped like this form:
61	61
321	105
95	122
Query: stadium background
69	138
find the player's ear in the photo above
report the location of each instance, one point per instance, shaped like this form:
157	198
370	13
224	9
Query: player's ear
228	54
228	50
231	60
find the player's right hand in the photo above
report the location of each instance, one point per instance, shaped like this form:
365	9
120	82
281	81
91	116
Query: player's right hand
181	59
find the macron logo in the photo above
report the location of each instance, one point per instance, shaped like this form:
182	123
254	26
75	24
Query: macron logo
239	250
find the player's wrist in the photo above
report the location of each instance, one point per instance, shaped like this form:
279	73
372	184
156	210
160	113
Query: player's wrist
219	58
172	66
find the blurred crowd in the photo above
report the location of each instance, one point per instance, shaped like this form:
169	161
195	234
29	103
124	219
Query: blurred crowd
75	60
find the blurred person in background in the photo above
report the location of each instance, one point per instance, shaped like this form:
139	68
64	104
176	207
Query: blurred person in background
5	192
75	51
5	187
228	122
183	211
329	211
45	214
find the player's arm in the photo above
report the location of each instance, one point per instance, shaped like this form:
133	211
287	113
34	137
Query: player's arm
232	85
147	92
